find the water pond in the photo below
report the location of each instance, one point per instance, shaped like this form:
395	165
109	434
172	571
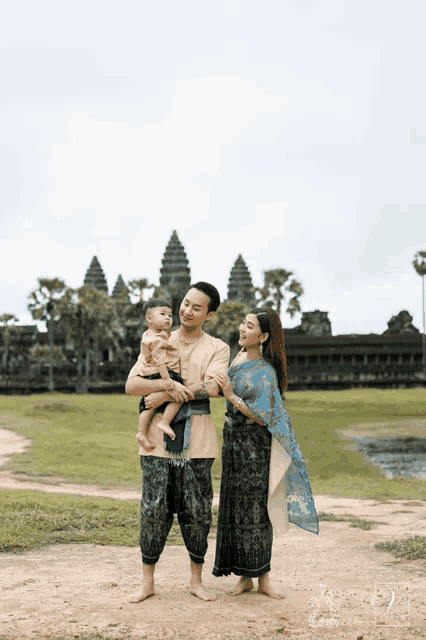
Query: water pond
396	456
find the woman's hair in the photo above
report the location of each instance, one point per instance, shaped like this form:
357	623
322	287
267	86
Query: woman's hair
210	291
273	347
156	302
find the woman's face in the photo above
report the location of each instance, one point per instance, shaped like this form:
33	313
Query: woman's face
250	332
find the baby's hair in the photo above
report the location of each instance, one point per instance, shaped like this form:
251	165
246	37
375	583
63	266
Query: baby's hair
156	302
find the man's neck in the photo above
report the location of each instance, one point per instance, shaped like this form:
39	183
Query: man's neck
191	332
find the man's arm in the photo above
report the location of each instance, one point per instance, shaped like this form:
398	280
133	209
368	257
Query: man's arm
138	386
209	388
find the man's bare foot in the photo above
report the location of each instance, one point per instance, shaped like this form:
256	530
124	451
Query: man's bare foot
144	442
266	588
200	591
143	593
166	428
243	584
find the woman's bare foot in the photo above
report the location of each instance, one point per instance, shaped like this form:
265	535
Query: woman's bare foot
166	428
243	584
143	593
266	588
144	442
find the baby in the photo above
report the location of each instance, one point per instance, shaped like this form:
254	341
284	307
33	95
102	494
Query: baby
157	359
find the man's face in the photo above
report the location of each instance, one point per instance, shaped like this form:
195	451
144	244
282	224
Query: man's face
194	309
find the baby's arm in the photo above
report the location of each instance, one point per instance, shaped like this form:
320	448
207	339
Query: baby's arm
164	373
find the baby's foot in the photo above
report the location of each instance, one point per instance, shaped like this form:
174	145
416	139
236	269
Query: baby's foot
144	441
166	428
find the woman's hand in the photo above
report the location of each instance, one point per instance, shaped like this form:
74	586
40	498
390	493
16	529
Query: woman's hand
225	384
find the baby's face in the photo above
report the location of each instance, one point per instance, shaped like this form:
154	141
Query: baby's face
160	318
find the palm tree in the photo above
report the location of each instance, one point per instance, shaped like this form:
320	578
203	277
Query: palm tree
271	295
419	263
8	321
136	289
89	315
43	306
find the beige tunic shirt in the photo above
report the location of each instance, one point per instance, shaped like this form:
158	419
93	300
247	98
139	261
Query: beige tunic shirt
200	358
156	350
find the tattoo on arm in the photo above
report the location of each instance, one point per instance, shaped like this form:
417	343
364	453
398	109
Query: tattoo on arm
201	393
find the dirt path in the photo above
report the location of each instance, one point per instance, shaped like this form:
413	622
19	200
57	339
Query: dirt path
336	585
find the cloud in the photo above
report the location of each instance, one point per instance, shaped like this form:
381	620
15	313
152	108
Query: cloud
149	171
42	72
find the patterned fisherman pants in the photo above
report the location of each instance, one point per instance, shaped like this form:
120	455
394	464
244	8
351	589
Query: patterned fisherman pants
167	489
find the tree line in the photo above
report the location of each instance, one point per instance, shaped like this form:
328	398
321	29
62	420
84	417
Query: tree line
88	316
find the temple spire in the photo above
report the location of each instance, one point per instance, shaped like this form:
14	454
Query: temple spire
95	276
175	275
120	290
240	285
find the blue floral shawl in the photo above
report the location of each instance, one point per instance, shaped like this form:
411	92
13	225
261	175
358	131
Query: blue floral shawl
255	381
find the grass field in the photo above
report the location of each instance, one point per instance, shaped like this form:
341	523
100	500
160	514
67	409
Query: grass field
30	520
91	438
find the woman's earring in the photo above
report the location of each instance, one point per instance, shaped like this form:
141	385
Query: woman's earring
261	349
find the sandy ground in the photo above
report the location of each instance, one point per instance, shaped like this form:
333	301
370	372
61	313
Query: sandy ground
335	585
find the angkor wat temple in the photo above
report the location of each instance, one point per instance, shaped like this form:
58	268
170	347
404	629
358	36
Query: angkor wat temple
316	359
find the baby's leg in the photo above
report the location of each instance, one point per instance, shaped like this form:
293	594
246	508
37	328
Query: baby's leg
144	421
168	415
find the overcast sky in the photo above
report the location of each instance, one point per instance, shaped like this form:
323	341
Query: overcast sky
290	131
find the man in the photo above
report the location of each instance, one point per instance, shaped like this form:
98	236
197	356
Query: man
185	489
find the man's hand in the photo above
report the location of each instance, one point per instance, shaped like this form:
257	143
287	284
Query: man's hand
169	385
181	393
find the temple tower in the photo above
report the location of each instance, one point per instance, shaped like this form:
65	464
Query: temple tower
315	323
175	275
240	285
120	291
95	276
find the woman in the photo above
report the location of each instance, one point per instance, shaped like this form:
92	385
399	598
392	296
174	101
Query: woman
264	476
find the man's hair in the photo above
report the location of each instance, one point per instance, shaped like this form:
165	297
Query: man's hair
211	292
156	302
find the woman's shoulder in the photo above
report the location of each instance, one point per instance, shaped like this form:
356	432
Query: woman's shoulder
268	366
239	359
268	370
